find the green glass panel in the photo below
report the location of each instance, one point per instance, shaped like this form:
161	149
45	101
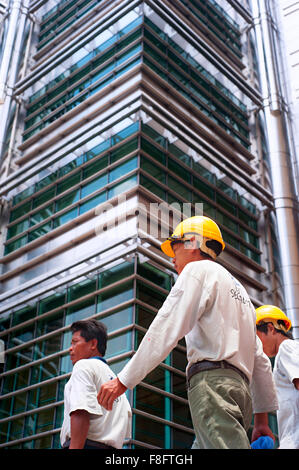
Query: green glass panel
68	183
41	215
16	429
67	200
15	245
118	320
94	185
150	402
116	273
123	169
45	181
114	297
20	211
122	187
252	223
23	315
124	150
152	187
81	289
40	231
181	439
179	188
51	302
150	295
97	150
179	170
80	311
30	422
71	166
155	275
17	228
50	324
93	202
96	166
21	381
123	134
45	421
206	174
153	170
46	348
147	430
249	237
225	220
178	153
154	135
119	344
144	317
231	240
5	321
66	217
153	151
23	195
5	408
204	188
226	189
225	204
44	197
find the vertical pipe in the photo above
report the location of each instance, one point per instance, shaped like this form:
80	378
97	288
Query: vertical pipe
10	62
9	46
284	191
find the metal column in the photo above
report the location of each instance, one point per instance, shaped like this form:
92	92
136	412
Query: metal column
283	178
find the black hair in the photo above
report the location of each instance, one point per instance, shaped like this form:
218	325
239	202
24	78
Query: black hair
263	328
92	329
215	246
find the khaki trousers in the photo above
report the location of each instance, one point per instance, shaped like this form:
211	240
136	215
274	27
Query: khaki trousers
221	409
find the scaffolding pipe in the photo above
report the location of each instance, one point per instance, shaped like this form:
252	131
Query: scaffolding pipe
284	191
10	62
9	47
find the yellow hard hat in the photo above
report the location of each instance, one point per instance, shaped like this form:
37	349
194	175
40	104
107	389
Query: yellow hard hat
270	313
205	230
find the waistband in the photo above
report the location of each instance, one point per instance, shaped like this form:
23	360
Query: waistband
89	442
209	365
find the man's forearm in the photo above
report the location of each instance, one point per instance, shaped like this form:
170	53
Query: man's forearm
79	428
261	426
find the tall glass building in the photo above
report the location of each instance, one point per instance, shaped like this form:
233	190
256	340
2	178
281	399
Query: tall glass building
120	117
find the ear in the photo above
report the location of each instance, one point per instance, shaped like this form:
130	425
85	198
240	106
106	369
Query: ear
94	344
271	329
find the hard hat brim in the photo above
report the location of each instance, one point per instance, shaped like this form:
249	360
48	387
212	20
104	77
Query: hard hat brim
167	248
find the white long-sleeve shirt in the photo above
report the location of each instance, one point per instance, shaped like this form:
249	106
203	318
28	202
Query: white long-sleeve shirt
286	369
212	310
80	393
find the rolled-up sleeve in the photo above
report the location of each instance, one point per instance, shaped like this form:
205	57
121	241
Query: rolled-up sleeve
263	390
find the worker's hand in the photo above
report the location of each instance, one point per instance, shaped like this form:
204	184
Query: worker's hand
261	427
109	392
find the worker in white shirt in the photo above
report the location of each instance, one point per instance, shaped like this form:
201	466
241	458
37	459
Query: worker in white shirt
273	328
212	310
86	424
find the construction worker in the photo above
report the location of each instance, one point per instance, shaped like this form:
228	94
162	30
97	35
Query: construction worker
273	328
212	310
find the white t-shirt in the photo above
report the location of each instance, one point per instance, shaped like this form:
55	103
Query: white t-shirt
286	369
212	310
80	393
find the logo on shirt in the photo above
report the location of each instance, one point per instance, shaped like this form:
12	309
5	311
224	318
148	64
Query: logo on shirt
238	296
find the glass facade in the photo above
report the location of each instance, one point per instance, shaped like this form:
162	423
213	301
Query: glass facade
122	101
